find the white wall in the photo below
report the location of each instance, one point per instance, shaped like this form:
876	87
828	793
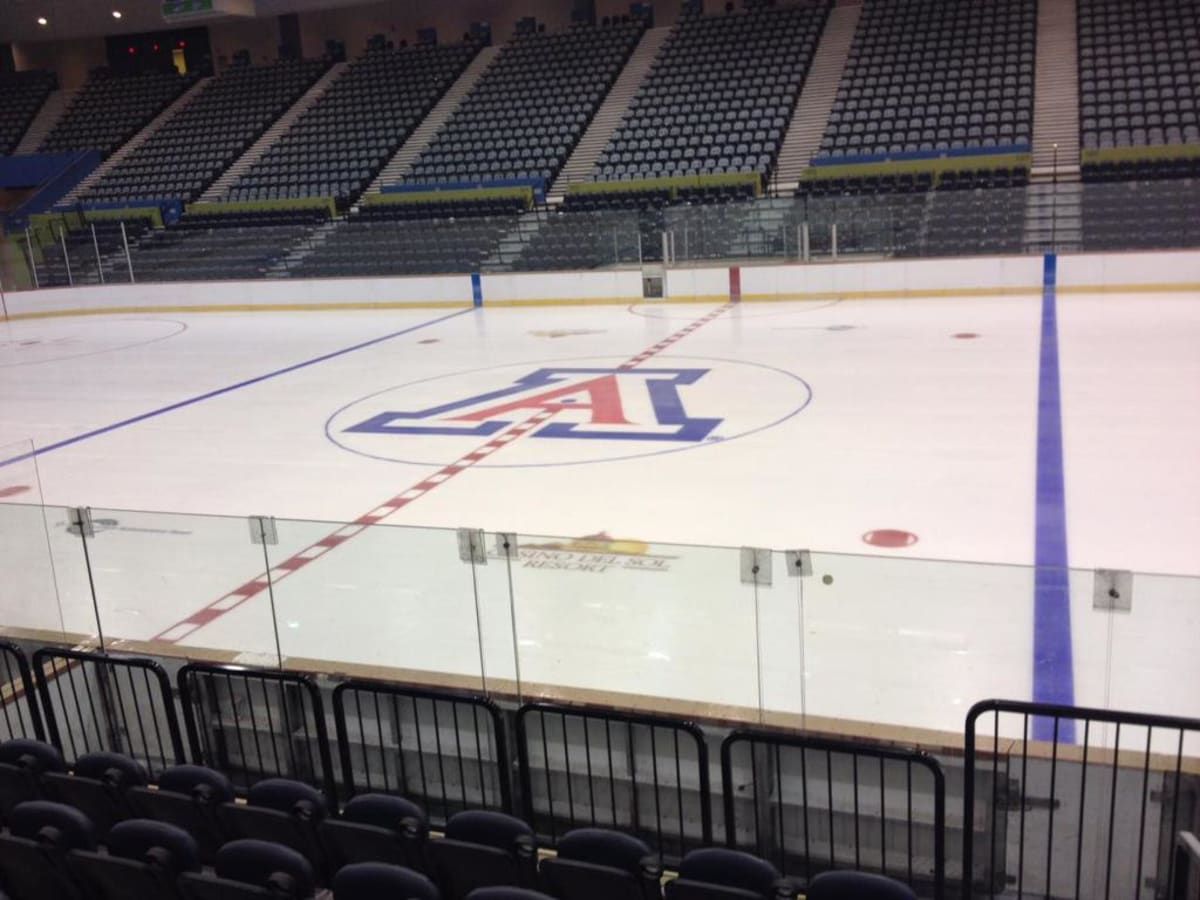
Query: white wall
988	276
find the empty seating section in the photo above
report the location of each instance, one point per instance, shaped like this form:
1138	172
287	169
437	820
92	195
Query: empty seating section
719	96
110	109
190	150
349	134
926	76
1146	214
221	246
396	241
1139	72
530	107
85	257
21	96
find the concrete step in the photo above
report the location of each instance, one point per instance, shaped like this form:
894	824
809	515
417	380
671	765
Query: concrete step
608	117
1056	86
180	103
401	162
47	117
220	188
803	137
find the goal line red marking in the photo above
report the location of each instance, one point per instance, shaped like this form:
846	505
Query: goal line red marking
185	628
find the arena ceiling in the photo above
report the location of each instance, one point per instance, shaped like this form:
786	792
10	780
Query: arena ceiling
67	19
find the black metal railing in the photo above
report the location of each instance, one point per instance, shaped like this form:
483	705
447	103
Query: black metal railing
257	723
645	775
94	702
1096	798
445	750
811	804
18	705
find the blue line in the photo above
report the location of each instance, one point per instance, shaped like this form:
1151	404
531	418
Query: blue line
476	289
225	390
1053	674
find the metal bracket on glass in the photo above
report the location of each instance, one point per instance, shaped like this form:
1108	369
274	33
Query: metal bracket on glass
471	546
756	566
506	545
799	563
1112	590
263	531
81	521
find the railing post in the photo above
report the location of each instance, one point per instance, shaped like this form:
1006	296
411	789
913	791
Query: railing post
32	259
666	249
62	238
128	258
96	247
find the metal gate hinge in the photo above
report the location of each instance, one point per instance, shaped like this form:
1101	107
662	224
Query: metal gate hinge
263	531
506	545
81	521
799	563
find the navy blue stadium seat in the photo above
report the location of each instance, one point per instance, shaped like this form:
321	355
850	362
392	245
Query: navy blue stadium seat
189	798
715	873
857	886
33	854
377	828
484	849
144	861
98	785
22	764
506	893
380	881
253	869
283	811
598	864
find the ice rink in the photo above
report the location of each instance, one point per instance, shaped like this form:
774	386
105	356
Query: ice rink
897	440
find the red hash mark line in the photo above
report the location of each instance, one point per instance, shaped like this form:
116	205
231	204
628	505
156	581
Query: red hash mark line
185	628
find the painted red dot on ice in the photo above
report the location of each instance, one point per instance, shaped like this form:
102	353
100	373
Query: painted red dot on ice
889	537
965	336
13	490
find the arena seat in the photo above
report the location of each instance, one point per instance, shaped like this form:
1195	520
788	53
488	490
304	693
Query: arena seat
143	862
719	96
598	864
188	797
377	828
33	854
379	881
484	849
110	109
21	96
22	764
1139	73
1145	215
98	786
339	144
926	76
857	886
530	106
193	148
716	873
252	869
283	812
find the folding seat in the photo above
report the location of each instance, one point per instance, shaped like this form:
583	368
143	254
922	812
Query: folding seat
144	862
597	864
98	787
720	874
483	848
379	881
188	797
23	761
283	811
857	886
33	854
252	869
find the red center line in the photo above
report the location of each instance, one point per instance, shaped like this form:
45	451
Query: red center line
233	599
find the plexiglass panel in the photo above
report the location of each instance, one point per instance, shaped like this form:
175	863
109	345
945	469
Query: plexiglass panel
394	598
182	581
633	622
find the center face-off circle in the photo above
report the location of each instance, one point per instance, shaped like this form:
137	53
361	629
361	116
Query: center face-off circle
601	412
